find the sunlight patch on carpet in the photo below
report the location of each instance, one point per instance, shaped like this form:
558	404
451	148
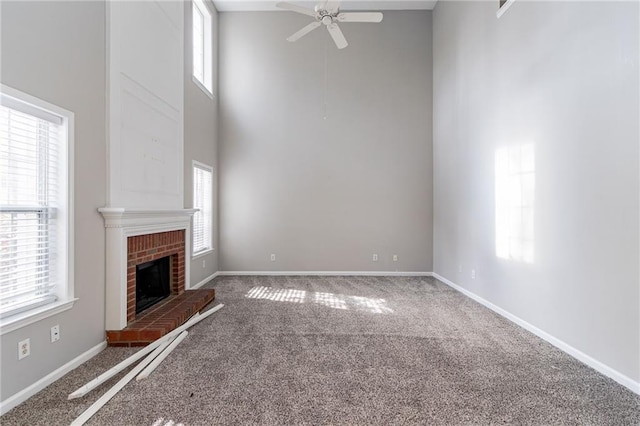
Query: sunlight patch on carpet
162	422
330	300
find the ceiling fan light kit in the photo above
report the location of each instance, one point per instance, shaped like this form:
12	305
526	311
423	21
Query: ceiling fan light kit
328	13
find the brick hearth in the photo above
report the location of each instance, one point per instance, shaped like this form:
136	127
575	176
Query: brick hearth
160	319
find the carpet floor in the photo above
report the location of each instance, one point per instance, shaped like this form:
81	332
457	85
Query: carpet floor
346	350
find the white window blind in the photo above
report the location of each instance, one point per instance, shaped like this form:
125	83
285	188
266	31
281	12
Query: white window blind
203	201
30	141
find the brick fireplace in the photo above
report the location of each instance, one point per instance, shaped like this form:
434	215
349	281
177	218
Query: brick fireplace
135	237
143	230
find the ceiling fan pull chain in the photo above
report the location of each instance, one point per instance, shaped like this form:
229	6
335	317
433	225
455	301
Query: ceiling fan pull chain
326	90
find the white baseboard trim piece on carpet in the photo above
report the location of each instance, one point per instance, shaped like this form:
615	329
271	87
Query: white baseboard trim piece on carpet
625	381
203	282
26	393
330	273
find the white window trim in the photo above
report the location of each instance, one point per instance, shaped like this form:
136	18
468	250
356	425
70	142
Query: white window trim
201	253
207	49
65	296
17	321
501	11
202	87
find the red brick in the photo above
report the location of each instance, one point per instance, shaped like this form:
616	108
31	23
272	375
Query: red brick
129	335
113	336
150	335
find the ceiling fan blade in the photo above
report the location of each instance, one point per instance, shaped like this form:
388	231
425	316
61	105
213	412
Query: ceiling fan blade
304	31
337	36
296	8
332	5
360	17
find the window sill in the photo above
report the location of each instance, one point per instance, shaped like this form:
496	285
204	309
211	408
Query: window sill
23	319
203	87
202	253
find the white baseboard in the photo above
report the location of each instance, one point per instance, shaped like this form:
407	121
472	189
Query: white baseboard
625	381
331	273
20	397
203	282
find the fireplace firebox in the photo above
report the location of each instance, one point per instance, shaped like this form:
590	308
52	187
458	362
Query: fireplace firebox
153	282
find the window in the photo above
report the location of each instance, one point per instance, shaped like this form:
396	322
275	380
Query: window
203	201
35	215
202	42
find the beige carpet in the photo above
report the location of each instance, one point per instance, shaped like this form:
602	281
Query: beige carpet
347	350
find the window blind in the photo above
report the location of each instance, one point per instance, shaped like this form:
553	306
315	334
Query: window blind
203	201
30	141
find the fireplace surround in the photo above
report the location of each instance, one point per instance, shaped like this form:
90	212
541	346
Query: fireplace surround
147	248
133	237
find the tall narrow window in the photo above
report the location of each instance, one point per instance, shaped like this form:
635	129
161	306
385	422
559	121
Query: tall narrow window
203	201
202	42
35	226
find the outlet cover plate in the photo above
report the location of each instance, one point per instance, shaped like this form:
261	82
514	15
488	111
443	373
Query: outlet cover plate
24	348
55	333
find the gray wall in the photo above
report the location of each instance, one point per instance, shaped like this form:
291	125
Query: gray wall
75	80
325	194
200	137
65	65
562	76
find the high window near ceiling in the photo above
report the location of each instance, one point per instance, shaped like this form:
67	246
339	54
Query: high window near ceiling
202	42
36	256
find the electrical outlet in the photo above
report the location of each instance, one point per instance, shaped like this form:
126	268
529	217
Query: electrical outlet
204	263
395	257
375	257
24	348
473	274
273	257
55	333
460	268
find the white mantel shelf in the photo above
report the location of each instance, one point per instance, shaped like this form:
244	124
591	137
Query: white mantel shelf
122	223
118	217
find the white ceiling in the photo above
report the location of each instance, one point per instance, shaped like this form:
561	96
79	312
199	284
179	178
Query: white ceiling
266	5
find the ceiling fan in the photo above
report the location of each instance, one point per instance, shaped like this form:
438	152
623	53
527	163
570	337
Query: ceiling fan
328	13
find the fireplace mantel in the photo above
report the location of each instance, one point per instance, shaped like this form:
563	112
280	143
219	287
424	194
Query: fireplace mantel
120	224
118	217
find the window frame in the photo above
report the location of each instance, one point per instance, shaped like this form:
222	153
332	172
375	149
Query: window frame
503	6
64	288
195	254
206	84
